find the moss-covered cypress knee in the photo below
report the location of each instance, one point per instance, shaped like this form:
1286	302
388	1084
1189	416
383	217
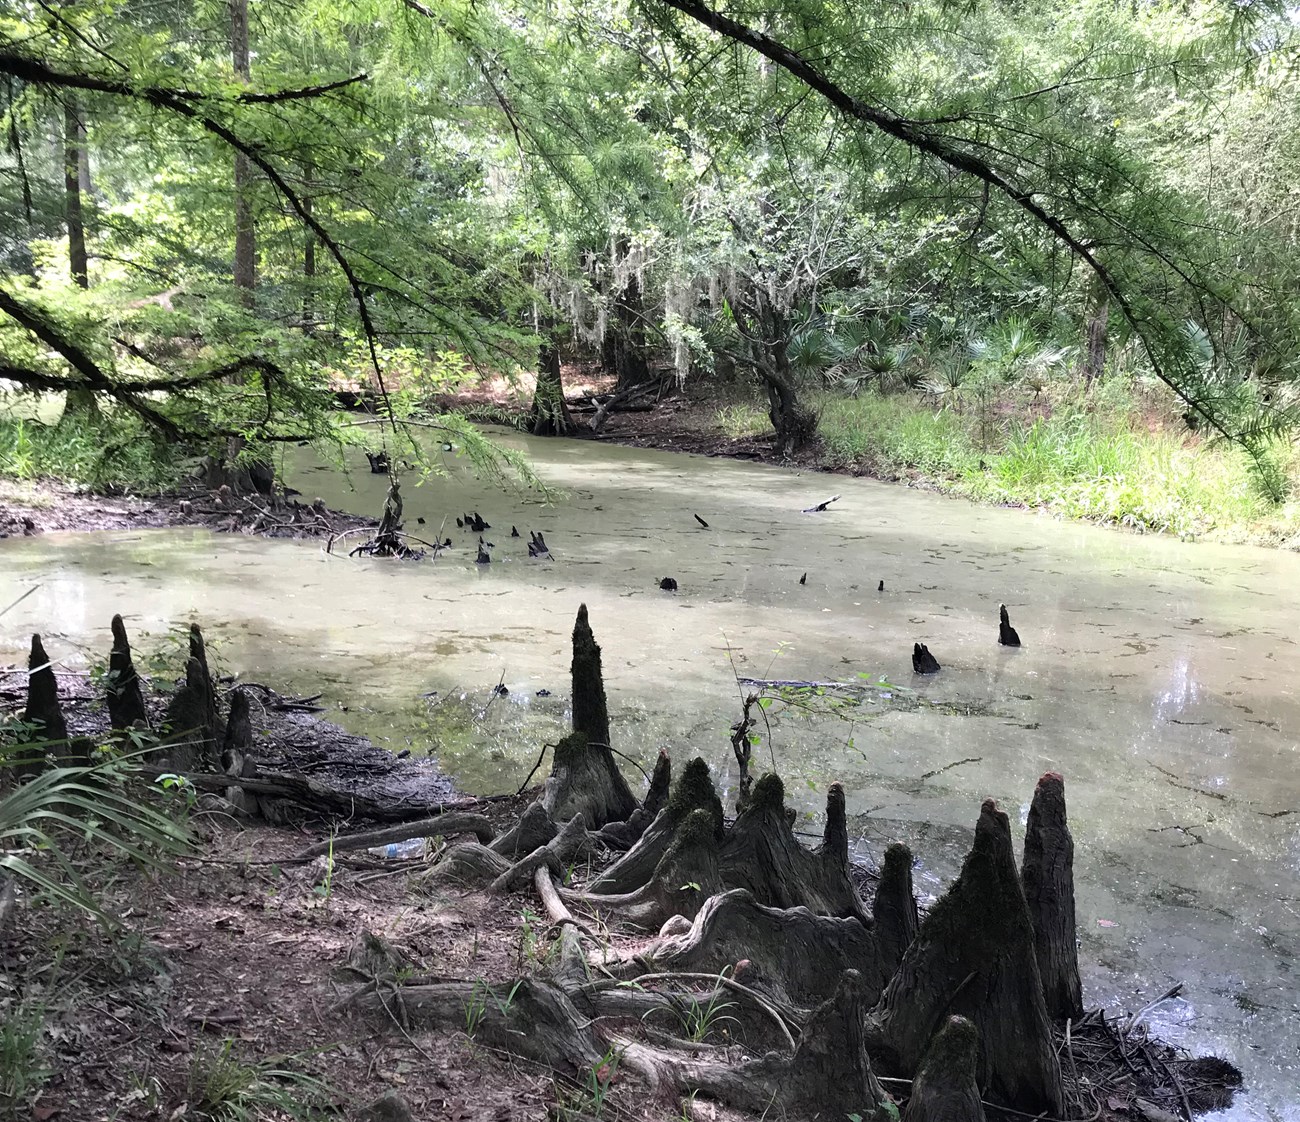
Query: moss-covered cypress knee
590	713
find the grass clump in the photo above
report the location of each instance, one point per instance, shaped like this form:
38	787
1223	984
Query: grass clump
225	1088
95	450
893	435
1106	458
741	419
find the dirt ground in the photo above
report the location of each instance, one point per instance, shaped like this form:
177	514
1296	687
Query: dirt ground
46	505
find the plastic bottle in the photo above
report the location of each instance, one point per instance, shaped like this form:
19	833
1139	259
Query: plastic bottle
412	847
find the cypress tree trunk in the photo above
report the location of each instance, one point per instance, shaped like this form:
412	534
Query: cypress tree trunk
550	411
74	139
245	265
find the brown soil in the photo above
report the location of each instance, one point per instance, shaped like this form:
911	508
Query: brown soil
34	508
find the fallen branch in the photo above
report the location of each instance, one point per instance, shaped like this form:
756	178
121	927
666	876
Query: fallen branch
444	825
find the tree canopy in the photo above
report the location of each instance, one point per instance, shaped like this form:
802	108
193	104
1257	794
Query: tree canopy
214	215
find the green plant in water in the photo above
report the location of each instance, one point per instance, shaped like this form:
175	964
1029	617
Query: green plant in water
224	1088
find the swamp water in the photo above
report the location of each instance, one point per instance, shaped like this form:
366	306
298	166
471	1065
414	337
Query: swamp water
1158	677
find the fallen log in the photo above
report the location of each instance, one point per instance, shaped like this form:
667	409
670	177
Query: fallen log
315	796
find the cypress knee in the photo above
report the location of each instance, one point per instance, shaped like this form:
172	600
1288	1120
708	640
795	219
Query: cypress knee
1047	873
590	714
125	699
945	1090
43	709
894	908
44	713
831	1075
974	956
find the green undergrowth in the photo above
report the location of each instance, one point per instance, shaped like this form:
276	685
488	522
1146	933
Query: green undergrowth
92	450
1104	458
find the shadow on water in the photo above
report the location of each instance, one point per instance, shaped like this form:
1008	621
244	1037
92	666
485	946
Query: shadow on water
1157	676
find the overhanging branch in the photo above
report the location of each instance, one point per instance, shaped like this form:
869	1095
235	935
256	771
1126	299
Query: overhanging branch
914	134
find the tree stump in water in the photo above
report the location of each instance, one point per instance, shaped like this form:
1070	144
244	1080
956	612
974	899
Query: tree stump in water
124	697
974	956
945	1090
894	908
1007	635
1047	873
923	662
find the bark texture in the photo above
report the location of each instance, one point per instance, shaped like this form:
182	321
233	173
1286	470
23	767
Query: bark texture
793	953
624	835
585	780
974	956
694	791
1047	873
124	697
43	710
831	1075
74	141
195	730
894	908
945	1089
590	711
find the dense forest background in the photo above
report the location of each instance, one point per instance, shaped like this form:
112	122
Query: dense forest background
1046	251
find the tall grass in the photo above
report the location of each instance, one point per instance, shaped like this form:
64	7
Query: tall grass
1106	459
96	450
892	435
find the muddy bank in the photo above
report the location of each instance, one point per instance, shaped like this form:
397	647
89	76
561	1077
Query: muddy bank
39	507
311	971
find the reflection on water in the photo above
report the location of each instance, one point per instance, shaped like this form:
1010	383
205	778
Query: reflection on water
1158	677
